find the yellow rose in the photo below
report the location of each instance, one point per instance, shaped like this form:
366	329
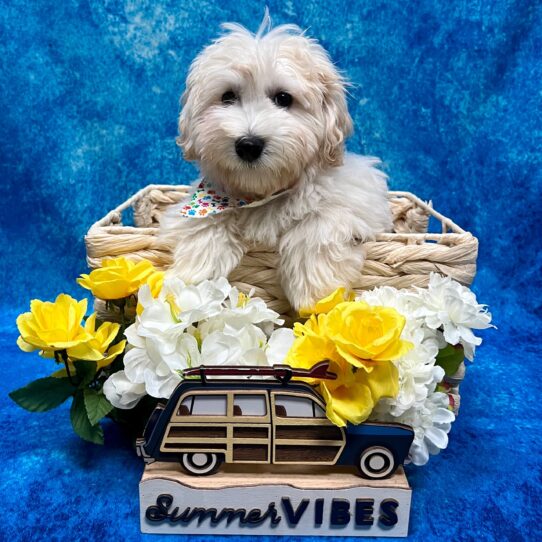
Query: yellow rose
351	335
55	326
102	338
117	278
311	345
364	334
327	303
352	397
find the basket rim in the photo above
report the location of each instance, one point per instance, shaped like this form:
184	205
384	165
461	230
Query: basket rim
106	223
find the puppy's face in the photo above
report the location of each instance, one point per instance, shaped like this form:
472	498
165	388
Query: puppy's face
259	111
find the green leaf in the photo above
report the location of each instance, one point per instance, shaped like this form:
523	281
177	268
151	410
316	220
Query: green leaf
80	422
86	370
97	405
450	358
61	373
43	394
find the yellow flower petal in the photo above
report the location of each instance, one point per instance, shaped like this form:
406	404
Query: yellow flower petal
347	403
352	397
90	324
383	380
24	346
84	351
117	278
105	334
155	282
141	271
395	351
308	351
113	289
364	362
113	352
327	303
84	281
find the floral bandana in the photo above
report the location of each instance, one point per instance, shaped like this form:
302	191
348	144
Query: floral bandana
208	200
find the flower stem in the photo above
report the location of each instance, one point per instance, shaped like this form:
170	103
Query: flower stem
121	304
61	356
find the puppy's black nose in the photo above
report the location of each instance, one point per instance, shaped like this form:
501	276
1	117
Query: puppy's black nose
249	148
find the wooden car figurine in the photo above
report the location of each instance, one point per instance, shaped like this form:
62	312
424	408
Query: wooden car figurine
208	422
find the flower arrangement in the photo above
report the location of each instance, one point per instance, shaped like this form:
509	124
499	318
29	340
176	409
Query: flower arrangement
390	349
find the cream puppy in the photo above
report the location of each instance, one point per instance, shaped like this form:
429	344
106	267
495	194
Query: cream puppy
267	113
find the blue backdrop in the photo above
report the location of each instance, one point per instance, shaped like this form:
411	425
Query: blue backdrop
447	93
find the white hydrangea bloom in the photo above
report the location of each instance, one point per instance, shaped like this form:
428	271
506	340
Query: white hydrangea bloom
430	419
186	326
431	422
122	392
279	344
454	308
250	310
417	371
185	304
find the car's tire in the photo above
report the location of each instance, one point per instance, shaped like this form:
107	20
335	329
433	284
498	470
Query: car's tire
376	463
200	463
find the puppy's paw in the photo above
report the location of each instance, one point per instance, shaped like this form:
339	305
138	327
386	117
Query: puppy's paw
310	275
203	249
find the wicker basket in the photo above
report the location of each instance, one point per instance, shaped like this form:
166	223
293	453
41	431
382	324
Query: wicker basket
400	259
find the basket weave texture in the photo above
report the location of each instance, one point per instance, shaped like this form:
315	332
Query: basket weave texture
401	259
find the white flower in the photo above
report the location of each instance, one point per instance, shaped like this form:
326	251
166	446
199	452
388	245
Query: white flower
234	346
431	423
209	323
185	304
250	309
430	420
240	310
279	344
386	296
417	373
449	305
158	370
122	392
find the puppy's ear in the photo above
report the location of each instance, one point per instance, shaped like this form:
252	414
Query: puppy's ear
184	140
337	120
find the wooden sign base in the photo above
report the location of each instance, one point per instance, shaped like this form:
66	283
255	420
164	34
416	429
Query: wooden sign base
273	500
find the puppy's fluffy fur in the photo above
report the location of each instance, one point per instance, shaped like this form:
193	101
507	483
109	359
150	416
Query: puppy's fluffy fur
335	199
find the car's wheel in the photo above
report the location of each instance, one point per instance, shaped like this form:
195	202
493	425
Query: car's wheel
376	462
200	463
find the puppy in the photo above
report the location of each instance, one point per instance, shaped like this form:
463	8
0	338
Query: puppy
265	117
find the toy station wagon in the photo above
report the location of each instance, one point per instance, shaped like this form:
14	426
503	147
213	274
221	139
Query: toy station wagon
208	422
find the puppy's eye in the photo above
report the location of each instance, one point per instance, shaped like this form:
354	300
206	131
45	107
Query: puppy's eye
283	99
229	97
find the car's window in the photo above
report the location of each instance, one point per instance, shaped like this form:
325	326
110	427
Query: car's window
185	408
249	405
203	405
293	406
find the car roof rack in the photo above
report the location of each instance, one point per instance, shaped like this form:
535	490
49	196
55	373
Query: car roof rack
283	373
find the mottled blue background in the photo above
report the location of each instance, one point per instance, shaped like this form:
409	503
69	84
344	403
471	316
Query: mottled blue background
447	93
